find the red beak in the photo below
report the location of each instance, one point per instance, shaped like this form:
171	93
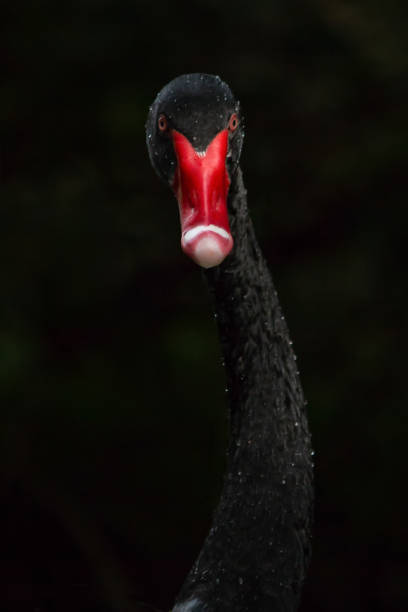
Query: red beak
201	186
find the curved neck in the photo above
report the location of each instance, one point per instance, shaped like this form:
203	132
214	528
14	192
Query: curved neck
256	554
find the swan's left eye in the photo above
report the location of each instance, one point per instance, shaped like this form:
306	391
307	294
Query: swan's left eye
233	122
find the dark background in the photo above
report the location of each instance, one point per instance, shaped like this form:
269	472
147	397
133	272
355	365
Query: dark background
113	424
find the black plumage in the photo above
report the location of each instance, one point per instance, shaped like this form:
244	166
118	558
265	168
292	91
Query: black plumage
257	552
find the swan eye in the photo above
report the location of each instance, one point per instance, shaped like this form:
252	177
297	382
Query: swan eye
162	123
233	122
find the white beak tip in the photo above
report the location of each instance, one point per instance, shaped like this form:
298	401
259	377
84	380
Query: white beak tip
208	252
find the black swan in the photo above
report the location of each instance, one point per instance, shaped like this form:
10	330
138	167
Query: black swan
258	549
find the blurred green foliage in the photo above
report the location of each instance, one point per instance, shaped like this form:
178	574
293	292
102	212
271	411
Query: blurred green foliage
113	424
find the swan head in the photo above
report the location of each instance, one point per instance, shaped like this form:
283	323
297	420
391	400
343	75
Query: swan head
194	137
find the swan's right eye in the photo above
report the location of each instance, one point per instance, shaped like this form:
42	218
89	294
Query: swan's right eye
162	123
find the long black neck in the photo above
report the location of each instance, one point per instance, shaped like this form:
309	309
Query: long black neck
257	552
